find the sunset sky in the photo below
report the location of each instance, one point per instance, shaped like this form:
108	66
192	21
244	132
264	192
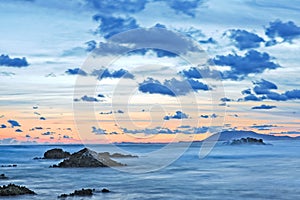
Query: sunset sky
101	71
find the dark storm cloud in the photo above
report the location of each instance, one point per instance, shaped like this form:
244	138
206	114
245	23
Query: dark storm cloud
159	52
152	86
192	72
225	99
91	45
89	99
48	133
253	62
263	126
288	31
247	91
157	130
185	7
111	112
13	123
204	116
263	90
244	40
5	60
110	25
105	73
293	94
162	130
76	71
264	87
208	41
118	6
263	107
132	6
157	38
252	97
98	131
201	72
3	126
178	115
171	87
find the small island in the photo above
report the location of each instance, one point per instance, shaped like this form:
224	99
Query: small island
3	177
82	193
14	190
246	141
79	193
55	153
88	158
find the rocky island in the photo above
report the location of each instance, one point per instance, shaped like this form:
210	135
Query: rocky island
54	154
79	193
3	177
248	140
14	190
82	193
88	158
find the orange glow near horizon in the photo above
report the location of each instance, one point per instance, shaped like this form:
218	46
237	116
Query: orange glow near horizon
63	129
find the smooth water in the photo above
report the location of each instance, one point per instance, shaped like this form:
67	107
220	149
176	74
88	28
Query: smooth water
228	172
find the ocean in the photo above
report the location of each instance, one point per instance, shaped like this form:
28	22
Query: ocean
227	172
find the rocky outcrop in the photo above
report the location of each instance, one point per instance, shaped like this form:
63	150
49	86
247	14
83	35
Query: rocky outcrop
13	190
247	140
56	154
83	193
88	158
119	155
3	177
104	190
79	193
14	165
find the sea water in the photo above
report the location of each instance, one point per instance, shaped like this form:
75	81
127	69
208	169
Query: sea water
228	172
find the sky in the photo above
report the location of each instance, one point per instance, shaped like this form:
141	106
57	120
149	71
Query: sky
91	71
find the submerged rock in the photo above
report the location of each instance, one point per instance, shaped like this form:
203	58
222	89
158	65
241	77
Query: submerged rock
247	140
2	176
14	165
56	154
87	158
119	155
13	190
104	190
80	193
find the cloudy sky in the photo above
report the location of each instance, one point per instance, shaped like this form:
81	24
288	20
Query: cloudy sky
147	70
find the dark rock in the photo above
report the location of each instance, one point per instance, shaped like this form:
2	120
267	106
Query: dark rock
87	158
247	140
63	196
14	165
104	154
104	190
83	192
119	155
13	190
2	176
56	154
80	193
